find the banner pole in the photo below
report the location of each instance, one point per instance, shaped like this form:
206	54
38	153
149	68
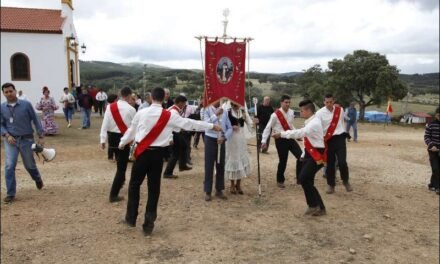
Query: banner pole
258	153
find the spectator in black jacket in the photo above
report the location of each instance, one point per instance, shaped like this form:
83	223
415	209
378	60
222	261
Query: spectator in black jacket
264	111
85	101
167	102
432	140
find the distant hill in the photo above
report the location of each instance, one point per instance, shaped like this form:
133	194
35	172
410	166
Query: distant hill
141	65
422	83
108	75
290	74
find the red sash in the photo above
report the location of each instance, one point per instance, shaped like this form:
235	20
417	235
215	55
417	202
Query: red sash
154	133
175	108
117	117
283	121
316	155
333	124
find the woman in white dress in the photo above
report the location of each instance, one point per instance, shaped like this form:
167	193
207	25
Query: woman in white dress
237	162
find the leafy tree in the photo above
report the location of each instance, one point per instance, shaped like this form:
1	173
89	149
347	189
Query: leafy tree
365	77
183	76
313	83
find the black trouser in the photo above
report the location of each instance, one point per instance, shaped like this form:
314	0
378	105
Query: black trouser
101	107
337	149
260	137
186	142
121	162
197	137
211	153
113	143
283	146
177	154
149	164
434	159
307	180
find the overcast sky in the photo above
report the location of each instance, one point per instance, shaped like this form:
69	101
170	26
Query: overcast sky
290	35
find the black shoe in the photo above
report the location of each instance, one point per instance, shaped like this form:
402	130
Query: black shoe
116	199
9	199
148	227
185	168
39	184
281	185
172	176
432	189
128	223
221	195
320	212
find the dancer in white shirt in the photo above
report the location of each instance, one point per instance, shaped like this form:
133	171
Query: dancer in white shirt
332	120
116	121
314	155
151	129
282	120
101	98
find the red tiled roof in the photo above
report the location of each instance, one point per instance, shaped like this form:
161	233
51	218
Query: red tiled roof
33	20
420	114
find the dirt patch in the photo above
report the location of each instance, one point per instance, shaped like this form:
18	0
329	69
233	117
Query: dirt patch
390	217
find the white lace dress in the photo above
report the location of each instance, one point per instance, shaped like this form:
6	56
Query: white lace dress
237	160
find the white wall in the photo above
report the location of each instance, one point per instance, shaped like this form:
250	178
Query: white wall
47	57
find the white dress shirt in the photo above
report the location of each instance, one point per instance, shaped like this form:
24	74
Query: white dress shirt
275	125
108	123
312	130
146	119
326	117
69	97
101	96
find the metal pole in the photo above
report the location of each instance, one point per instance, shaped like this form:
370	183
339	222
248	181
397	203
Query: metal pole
255	101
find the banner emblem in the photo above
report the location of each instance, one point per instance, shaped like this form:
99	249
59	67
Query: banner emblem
225	70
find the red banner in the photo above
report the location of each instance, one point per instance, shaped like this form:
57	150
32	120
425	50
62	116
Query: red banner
225	71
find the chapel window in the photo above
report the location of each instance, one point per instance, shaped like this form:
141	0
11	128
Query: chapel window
20	68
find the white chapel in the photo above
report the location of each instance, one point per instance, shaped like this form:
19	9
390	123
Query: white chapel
39	47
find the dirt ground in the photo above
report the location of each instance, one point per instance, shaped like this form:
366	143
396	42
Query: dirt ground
390	217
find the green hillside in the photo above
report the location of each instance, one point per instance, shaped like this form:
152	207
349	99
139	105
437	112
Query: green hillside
423	88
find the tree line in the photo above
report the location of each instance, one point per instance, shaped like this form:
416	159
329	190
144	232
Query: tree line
364	77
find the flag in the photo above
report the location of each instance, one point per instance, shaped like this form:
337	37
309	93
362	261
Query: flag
389	107
225	71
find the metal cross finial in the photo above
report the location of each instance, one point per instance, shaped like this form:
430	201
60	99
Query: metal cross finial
225	22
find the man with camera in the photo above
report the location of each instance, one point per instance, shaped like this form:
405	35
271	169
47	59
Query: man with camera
17	117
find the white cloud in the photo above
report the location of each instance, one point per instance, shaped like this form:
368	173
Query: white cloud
289	35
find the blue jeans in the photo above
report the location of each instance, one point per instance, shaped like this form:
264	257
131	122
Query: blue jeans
86	117
68	113
22	146
355	130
